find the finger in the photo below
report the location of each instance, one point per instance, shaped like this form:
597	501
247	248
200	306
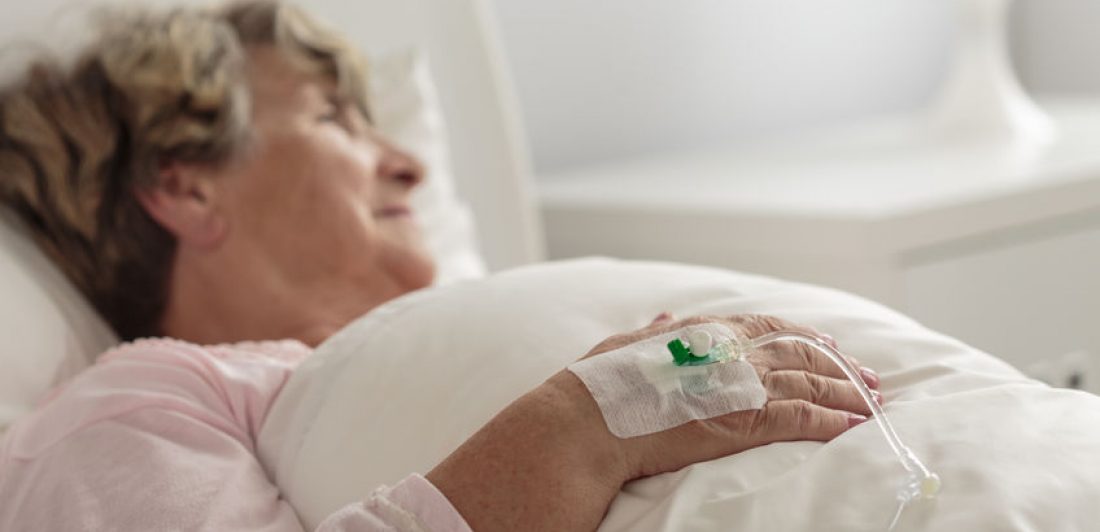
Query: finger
755	325
791	355
797	419
870	378
827	338
825	391
831	342
758	325
796	356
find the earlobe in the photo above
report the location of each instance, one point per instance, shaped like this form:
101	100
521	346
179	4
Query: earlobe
185	202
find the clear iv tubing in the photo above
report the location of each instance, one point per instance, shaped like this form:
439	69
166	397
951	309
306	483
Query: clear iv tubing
920	483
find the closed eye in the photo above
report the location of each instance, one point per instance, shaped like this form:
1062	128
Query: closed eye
331	114
338	110
333	110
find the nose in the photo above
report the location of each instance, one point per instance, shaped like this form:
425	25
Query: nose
399	167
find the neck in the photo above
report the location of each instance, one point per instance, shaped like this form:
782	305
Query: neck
218	299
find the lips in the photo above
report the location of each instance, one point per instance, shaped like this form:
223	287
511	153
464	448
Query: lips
393	211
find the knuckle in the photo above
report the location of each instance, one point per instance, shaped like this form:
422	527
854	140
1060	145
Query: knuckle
762	369
776	383
818	388
804	415
738	422
806	356
765	324
771	379
762	421
753	325
775	323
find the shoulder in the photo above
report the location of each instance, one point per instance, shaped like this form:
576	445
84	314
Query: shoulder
226	387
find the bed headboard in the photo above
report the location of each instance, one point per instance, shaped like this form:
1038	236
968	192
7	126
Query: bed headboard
491	163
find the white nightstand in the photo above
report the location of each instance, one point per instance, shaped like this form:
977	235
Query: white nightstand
996	247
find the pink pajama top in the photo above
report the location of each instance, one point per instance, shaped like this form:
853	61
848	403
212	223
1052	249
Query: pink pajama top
161	435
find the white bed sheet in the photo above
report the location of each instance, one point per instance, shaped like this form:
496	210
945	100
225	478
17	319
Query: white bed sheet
400	388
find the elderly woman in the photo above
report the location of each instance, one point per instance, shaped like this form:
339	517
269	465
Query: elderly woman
212	178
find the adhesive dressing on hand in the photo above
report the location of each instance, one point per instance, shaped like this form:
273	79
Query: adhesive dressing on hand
641	391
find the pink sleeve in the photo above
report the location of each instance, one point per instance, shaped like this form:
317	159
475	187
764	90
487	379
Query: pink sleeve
163	440
413	505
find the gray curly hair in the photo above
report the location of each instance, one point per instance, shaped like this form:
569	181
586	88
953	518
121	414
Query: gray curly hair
151	88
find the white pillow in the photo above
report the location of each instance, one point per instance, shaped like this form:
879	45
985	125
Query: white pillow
51	332
399	389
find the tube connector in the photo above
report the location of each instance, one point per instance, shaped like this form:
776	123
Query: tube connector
701	349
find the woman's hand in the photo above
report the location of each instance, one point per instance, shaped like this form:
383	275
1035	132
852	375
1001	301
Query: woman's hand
549	462
809	398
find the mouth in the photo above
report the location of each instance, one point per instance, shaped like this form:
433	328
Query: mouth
393	211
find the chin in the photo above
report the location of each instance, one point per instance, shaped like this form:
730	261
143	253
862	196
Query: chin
426	274
415	269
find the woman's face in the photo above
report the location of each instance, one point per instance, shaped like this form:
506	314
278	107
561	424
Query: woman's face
319	193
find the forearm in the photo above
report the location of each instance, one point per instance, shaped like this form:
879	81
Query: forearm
537	465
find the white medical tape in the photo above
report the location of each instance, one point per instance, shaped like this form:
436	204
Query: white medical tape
641	391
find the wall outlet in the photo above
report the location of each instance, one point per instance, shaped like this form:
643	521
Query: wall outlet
1079	370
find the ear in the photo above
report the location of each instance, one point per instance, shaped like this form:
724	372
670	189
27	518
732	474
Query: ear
185	202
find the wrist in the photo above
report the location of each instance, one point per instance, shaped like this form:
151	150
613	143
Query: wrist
590	445
545	462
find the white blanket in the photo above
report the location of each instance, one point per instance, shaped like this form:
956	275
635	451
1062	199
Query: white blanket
400	388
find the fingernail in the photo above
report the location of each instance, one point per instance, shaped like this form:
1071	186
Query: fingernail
855	419
869	377
878	397
831	341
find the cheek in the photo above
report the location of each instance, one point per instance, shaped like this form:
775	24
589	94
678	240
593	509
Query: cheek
342	184
310	193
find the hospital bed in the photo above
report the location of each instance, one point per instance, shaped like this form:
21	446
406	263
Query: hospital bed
403	385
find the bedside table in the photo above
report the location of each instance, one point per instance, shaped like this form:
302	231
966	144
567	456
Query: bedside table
998	247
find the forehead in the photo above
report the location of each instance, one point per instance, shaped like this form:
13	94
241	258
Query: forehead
277	79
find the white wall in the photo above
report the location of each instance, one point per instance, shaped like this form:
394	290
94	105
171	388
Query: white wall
608	79
1058	45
